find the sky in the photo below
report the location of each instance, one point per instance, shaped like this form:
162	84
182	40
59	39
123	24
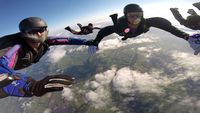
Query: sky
61	13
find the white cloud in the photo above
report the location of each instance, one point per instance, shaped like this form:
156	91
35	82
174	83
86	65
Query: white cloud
67	94
98	98
186	59
124	81
94	85
99	94
106	77
26	104
149	50
188	62
127	81
117	42
80	48
47	110
56	53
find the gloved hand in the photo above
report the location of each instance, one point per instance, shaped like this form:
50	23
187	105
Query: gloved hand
92	49
92	43
93	46
51	84
194	42
27	86
124	38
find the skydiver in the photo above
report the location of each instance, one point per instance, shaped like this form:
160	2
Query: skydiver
21	85
192	21
34	42
84	30
133	24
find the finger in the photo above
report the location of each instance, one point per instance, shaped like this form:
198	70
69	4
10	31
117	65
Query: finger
55	85
52	89
67	77
60	81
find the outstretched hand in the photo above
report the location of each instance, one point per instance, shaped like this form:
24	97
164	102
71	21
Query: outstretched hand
194	42
51	84
92	49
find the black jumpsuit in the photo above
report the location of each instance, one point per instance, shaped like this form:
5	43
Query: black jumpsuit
122	24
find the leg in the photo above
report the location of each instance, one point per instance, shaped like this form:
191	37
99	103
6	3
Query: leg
197	5
79	25
72	31
191	12
178	16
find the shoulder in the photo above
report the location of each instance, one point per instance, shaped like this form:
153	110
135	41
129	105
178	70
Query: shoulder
10	40
122	19
122	23
157	20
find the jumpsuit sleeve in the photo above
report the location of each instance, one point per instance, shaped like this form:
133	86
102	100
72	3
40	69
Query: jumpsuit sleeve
11	55
165	25
104	32
66	41
96	28
18	86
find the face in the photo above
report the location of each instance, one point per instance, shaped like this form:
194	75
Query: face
91	26
134	18
35	36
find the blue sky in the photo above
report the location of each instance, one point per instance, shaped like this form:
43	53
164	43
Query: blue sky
60	13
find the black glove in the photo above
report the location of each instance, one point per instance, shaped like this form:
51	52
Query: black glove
124	38
92	43
51	84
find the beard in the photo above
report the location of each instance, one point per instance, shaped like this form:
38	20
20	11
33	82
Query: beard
35	38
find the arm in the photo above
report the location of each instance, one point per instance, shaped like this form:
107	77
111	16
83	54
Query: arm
197	5
165	25
96	28
28	87
178	16
79	25
191	12
21	85
66	41
104	32
11	55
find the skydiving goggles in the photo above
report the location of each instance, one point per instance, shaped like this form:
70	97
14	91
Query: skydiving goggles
36	30
135	15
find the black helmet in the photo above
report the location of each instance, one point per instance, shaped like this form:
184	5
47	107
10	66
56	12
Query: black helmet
90	24
132	8
30	23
